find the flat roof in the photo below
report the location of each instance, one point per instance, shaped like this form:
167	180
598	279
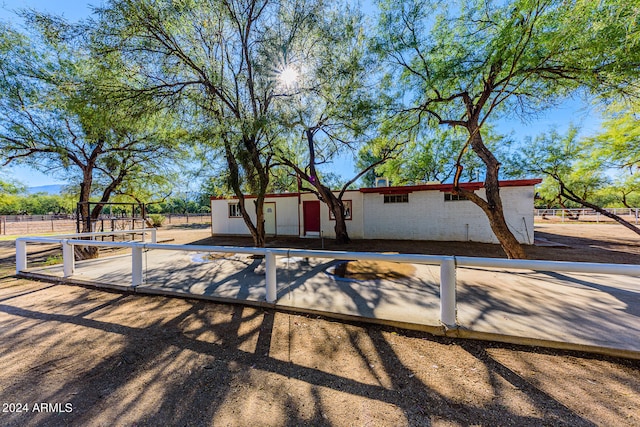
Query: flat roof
449	187
409	188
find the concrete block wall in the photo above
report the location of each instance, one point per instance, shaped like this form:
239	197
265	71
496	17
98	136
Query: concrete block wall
427	216
286	216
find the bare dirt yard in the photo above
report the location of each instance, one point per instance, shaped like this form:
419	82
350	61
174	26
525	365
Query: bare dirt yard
77	356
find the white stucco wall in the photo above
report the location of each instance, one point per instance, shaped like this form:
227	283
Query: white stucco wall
428	216
286	216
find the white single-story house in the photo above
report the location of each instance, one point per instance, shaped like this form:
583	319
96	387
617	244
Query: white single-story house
419	212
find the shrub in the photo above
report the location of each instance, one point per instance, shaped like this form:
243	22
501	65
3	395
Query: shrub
156	220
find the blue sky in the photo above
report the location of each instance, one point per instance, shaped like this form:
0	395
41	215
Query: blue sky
570	112
70	9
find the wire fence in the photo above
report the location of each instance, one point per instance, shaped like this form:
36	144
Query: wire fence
631	215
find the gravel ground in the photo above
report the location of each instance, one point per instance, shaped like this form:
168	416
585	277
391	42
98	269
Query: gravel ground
76	356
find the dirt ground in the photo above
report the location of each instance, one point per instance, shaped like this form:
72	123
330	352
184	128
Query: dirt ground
77	356
606	243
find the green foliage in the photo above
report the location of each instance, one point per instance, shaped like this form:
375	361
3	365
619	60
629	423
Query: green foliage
156	220
431	154
618	145
216	62
36	204
460	62
9	204
53	260
331	110
11	186
575	167
533	51
60	113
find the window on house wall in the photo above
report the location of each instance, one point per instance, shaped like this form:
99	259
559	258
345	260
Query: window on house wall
450	197
396	198
234	210
348	210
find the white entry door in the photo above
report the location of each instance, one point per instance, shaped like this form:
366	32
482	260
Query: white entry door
270	218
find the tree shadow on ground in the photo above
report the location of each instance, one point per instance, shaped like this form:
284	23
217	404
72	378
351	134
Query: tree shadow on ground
200	363
631	299
560	307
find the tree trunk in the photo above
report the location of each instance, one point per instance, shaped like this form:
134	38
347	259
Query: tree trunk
492	206
260	238
336	206
257	230
572	196
495	213
85	252
334	203
342	237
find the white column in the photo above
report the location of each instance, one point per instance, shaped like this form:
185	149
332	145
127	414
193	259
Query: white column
21	255
68	259
136	266
270	276
448	292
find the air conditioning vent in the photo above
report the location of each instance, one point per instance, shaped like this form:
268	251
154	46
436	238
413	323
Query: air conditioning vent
382	182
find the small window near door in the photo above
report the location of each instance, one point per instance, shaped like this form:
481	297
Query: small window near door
396	198
450	197
234	210
348	208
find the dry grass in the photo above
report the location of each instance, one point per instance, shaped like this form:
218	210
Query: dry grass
378	270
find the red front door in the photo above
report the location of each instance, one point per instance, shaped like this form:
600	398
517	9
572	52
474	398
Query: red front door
311	210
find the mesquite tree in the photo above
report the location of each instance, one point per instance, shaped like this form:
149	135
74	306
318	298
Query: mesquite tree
576	171
461	63
221	58
56	117
330	106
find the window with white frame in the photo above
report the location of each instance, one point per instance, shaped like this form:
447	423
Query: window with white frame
234	210
396	198
450	197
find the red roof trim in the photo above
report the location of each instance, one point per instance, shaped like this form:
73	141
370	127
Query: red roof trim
250	196
448	187
521	182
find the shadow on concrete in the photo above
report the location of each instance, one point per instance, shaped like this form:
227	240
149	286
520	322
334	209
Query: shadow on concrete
197	366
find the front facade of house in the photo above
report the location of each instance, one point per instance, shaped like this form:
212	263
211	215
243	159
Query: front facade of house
421	212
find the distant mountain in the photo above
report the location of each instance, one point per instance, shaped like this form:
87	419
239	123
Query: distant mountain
50	189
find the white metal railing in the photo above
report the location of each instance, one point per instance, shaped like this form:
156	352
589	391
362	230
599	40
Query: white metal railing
586	214
448	264
67	248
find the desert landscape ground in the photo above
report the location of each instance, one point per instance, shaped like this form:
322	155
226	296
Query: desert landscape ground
77	356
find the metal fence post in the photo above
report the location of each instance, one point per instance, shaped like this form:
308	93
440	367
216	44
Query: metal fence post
448	292
270	276
21	255
68	259
154	236
136	266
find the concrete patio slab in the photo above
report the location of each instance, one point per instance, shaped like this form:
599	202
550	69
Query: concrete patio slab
598	313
